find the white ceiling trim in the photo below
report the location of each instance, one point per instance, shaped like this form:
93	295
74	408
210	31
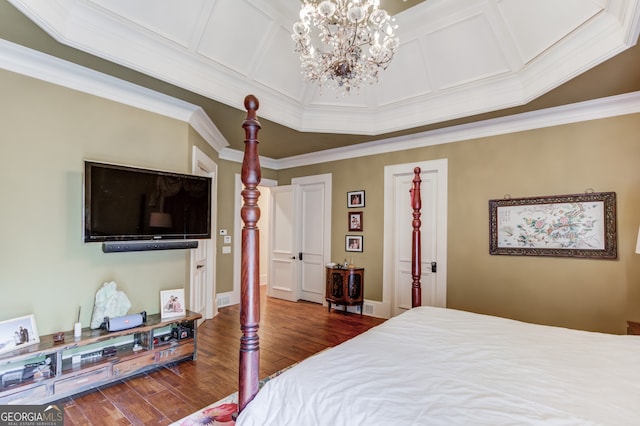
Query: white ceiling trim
202	124
19	59
89	27
237	156
588	46
584	111
29	62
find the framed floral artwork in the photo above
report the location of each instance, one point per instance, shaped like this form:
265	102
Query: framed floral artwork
578	225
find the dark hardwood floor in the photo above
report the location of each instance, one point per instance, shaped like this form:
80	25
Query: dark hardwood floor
289	332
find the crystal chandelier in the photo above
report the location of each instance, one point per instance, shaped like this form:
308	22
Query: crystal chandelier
344	43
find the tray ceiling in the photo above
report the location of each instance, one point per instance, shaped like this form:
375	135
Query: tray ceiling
457	58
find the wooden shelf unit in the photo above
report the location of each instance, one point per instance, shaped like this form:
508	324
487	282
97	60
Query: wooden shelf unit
48	371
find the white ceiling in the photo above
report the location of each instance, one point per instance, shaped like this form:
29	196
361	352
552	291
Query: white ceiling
456	57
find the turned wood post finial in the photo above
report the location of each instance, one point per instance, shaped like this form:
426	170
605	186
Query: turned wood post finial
250	271
251	172
416	255
251	104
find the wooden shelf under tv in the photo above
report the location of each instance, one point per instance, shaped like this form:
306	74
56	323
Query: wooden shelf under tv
59	375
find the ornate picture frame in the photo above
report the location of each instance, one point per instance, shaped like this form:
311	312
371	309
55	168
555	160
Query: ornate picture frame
576	225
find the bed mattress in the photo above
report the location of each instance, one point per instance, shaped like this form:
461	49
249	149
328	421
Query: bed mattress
437	366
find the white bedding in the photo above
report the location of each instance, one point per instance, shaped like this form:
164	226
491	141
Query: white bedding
436	366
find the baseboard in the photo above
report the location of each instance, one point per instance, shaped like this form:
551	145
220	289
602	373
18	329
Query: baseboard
372	308
377	309
227	299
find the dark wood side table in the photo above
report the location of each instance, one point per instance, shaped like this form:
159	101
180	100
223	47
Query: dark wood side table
345	286
633	327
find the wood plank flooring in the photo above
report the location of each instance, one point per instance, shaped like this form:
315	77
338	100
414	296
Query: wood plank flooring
289	332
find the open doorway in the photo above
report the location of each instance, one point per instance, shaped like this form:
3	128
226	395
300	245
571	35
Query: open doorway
201	292
307	257
263	226
233	297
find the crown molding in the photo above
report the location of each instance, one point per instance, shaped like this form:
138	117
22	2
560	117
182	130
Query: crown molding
237	156
574	113
35	64
44	67
202	124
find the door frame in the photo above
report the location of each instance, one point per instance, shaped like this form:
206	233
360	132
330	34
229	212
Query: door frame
200	160
440	166
326	178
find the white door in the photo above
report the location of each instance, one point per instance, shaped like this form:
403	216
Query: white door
202	264
314	234
300	235
398	234
283	243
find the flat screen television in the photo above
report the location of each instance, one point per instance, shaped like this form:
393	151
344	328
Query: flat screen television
123	203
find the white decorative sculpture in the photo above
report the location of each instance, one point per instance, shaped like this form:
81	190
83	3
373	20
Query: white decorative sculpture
109	303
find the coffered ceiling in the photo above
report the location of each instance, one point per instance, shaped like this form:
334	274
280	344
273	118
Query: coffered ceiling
458	60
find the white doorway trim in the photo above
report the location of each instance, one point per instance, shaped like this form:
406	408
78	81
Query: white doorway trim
201	161
441	167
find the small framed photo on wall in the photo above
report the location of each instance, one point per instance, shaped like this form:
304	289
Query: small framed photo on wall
355	199
353	243
355	221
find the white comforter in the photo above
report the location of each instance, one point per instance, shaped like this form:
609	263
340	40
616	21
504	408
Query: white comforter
435	366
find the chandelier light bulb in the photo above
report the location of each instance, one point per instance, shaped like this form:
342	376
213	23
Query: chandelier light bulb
356	14
300	29
326	9
344	43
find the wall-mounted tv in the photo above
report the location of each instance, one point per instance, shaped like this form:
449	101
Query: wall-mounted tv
123	203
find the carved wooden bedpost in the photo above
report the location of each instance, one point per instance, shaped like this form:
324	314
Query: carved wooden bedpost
416	255
250	268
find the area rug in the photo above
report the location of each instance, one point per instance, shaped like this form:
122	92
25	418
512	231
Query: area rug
220	412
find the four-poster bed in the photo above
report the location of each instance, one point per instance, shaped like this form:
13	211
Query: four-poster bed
432	365
250	271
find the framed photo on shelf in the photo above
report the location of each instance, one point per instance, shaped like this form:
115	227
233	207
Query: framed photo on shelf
355	221
355	199
18	332
578	225
353	243
172	303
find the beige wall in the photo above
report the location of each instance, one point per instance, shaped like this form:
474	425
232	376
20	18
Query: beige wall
578	293
45	268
